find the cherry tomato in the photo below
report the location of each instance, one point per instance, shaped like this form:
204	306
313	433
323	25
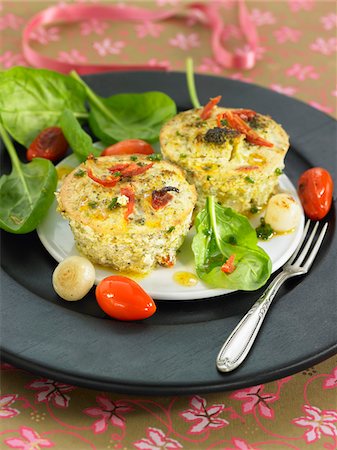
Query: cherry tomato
129	147
123	299
49	144
315	188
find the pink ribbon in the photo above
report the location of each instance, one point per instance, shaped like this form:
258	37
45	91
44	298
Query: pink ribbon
207	13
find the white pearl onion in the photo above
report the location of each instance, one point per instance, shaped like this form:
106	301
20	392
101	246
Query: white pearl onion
73	278
282	212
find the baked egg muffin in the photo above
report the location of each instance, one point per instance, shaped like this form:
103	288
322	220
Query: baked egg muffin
235	155
128	212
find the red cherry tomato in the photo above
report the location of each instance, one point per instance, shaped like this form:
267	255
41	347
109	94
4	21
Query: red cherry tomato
129	147
315	188
49	144
123	299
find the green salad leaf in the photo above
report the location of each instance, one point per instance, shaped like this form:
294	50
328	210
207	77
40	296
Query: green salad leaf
34	99
80	142
128	116
26	193
221	233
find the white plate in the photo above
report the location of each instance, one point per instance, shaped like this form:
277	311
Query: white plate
56	236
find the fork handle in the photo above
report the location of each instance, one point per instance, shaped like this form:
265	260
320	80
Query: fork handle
237	346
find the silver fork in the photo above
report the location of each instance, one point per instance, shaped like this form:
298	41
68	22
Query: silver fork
240	341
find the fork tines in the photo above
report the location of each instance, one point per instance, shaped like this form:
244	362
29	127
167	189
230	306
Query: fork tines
306	244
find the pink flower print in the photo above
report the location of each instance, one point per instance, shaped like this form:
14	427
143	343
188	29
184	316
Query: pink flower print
285	34
331	381
93	26
51	391
154	62
231	31
157	440
253	399
166	2
45	35
330	21
302	72
209	65
283	89
259	51
240	444
319	422
205	417
32	440
185	42
322	108
262	17
9	59
10	21
107	47
149	29
5	411
72	57
324	46
108	411
298	5
239	76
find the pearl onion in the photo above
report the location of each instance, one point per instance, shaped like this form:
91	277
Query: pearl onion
282	212
73	278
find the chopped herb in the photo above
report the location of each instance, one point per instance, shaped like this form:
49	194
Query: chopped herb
133	158
171	229
249	180
182	155
92	204
113	204
224	123
264	231
232	240
254	209
179	134
79	173
155	157
117	174
208	177
278	171
170	188
140	221
219	135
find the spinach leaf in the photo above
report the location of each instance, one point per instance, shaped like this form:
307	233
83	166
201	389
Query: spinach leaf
79	141
26	193
128	116
34	99
221	233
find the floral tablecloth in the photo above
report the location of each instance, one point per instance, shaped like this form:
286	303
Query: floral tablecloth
297	57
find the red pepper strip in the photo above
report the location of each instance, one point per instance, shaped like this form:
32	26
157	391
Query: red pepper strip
130	169
167	261
130	193
106	182
228	266
160	199
134	169
207	111
245	114
240	125
219	118
118	167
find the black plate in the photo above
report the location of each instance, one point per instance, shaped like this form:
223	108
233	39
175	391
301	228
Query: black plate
174	351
